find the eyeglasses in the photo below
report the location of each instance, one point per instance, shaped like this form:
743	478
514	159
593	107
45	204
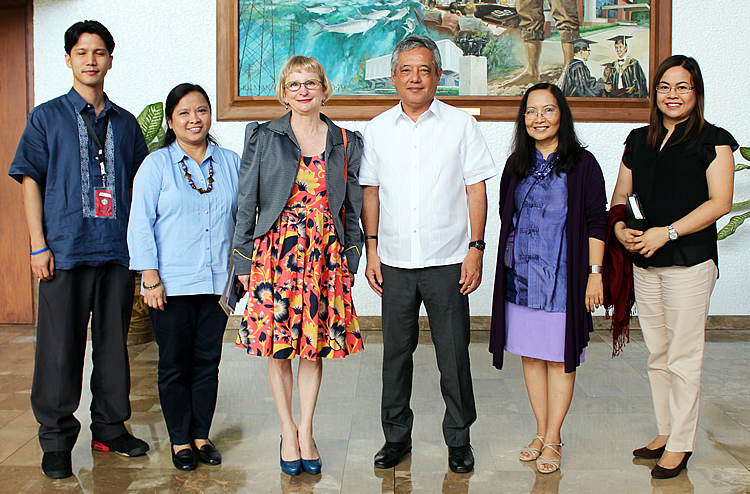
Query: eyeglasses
547	113
309	84
680	88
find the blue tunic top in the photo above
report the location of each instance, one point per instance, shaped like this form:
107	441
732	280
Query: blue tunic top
539	276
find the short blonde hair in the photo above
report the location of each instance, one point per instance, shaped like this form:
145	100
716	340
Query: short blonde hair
470	8
301	62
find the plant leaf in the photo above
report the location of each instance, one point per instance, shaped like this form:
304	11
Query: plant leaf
150	121
741	166
158	141
745	152
160	135
739	205
731	227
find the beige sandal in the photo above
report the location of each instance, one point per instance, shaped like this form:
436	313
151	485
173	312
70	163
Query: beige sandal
543	460
532	452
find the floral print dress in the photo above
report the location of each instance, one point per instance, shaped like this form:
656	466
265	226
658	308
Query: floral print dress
300	299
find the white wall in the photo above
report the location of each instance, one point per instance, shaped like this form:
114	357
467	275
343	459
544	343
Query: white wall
161	44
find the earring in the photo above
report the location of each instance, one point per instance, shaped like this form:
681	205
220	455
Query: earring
323	103
286	105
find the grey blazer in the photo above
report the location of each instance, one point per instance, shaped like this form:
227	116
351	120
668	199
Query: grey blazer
267	173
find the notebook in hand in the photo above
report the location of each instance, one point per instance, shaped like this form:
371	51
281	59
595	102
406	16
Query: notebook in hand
634	213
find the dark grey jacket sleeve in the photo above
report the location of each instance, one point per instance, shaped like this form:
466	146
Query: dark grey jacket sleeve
354	238
247	204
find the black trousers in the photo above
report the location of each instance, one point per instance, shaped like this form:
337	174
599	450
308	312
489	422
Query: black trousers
65	303
404	290
189	332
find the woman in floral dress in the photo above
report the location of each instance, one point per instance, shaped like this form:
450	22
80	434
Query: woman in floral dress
296	248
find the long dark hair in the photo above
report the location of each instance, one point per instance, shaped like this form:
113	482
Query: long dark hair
569	148
173	99
695	121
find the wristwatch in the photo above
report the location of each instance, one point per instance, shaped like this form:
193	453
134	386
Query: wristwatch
672	233
478	244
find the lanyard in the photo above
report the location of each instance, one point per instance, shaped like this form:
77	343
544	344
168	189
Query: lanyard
99	141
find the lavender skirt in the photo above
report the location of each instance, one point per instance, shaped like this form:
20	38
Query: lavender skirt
535	333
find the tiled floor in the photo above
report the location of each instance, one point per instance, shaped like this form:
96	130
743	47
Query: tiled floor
611	414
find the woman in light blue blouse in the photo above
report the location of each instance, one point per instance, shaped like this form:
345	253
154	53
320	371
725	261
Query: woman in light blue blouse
179	234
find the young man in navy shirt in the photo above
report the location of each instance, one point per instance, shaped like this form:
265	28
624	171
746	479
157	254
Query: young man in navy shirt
76	161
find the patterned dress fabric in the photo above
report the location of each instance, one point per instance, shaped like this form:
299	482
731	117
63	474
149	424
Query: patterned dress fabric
300	288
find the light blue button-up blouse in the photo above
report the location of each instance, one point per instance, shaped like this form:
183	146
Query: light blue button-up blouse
182	233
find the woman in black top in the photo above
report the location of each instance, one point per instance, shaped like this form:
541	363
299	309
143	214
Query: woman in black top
682	170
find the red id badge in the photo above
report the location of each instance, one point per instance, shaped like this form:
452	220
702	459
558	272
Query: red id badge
103	202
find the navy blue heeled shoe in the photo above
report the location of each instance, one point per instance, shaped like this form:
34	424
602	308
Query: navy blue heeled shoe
312	466
293	467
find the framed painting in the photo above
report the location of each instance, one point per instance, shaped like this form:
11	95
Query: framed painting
600	52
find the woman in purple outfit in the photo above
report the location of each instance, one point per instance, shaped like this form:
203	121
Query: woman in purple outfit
548	278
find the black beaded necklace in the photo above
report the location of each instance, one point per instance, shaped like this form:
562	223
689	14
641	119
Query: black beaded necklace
190	179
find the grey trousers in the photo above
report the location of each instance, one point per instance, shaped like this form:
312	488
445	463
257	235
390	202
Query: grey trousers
404	291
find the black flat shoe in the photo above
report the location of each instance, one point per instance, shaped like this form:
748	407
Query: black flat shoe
649	454
460	459
57	464
184	459
208	454
391	454
660	472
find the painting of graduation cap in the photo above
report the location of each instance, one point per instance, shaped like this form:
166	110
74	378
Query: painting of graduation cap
492	51
625	78
578	79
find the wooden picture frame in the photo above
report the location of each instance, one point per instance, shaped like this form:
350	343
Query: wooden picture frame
233	107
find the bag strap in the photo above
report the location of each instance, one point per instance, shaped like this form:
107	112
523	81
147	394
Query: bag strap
346	176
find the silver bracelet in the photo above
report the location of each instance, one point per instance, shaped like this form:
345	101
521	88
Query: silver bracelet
595	269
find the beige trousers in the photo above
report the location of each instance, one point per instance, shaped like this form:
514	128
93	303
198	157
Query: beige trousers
672	310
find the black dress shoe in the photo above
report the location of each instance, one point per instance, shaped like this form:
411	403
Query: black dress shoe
391	453
184	459
208	454
648	454
460	459
57	464
659	472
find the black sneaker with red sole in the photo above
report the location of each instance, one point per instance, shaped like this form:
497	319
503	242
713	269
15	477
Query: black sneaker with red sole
125	445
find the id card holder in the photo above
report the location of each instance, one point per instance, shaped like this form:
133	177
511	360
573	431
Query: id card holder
508	254
103	197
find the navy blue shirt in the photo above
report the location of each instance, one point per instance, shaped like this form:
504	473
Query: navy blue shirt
58	154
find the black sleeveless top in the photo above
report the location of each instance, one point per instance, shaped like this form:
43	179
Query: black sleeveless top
671	183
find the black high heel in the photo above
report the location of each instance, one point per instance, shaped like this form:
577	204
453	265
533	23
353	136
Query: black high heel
649	454
660	472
